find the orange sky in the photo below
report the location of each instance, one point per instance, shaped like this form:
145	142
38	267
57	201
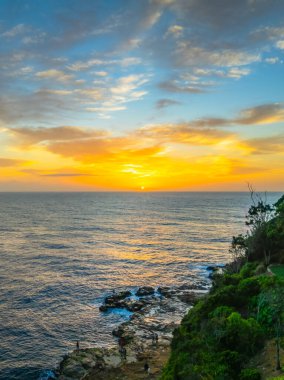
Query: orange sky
149	95
156	157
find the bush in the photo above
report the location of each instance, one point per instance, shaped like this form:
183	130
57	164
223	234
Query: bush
250	374
242	335
249	287
260	269
248	269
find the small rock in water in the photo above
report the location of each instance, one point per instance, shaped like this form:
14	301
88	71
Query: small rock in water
145	291
117	297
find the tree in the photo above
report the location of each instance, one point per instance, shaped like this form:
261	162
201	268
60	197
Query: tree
271	315
239	252
257	239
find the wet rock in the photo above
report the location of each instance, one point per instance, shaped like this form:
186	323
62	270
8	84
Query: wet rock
118	332
198	286
145	291
189	297
134	305
115	297
74	371
103	308
165	291
211	268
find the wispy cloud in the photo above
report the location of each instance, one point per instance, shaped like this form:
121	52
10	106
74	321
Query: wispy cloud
17	30
176	86
164	103
30	136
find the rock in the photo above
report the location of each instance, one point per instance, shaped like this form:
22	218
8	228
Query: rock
145	291
211	268
113	360
165	291
118	332
88	363
103	308
151	314
134	305
75	371
117	297
198	286
189	297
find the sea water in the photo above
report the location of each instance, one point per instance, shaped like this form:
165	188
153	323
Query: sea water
61	253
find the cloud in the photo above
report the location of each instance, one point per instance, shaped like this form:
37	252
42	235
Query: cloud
280	44
272	60
90	63
87	146
59	75
176	86
127	84
226	15
116	95
268	33
237	73
184	133
164	103
263	114
233	72
267	145
16	30
189	55
84	65
129	61
10	162
31	136
65	175
41	105
175	31
101	73
57	92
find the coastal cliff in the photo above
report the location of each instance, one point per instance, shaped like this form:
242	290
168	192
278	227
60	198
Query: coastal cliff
236	331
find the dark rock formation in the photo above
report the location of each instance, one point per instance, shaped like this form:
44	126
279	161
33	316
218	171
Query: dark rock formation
145	291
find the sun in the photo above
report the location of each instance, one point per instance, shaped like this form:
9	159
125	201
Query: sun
142	187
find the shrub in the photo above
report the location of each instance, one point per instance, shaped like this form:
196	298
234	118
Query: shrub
242	335
248	269
249	287
250	374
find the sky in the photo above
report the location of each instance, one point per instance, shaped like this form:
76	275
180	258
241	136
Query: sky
141	95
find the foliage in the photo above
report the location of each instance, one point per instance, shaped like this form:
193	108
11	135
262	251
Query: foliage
278	270
264	239
250	374
244	307
271	315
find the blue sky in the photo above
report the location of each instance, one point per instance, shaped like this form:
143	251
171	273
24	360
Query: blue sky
111	69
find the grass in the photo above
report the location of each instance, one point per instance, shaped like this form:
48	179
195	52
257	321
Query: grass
278	270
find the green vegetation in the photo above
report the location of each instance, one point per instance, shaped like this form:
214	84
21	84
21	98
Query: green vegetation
243	310
278	270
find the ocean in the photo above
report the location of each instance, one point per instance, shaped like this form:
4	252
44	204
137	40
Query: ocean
62	253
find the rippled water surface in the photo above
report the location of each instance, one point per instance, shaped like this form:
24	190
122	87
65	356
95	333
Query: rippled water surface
61	253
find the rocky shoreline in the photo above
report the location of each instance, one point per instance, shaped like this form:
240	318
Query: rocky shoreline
143	339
